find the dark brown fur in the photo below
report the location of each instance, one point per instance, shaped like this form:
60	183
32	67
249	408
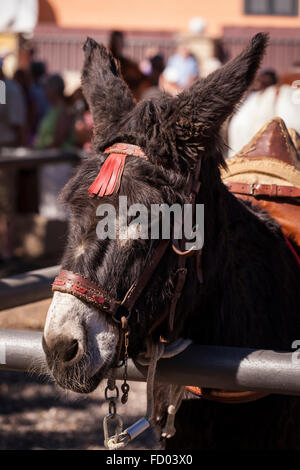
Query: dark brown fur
250	296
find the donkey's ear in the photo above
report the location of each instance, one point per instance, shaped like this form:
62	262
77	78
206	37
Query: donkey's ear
107	94
202	109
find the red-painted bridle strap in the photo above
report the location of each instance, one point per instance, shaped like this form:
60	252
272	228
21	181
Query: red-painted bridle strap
77	285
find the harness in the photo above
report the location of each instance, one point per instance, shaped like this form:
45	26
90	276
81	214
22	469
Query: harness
106	183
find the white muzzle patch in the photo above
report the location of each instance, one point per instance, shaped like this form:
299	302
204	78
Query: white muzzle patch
71	317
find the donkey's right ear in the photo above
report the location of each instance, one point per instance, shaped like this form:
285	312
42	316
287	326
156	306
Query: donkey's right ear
107	94
202	108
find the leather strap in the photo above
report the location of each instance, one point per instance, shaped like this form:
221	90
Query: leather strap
270	190
226	396
179	248
181	275
137	288
77	285
126	149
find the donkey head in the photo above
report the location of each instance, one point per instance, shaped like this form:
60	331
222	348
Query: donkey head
80	340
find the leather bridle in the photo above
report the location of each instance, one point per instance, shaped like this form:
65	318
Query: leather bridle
106	183
78	286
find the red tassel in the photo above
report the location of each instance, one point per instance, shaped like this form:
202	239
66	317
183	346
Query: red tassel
109	177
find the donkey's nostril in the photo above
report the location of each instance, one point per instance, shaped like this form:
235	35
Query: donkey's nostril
70	350
66	349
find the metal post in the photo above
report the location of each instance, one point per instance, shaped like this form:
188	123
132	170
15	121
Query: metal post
204	366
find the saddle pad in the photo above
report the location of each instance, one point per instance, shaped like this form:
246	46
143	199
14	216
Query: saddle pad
269	158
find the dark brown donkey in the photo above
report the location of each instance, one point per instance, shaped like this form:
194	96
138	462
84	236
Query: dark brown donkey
250	296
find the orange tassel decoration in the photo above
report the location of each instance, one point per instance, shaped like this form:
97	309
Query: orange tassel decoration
109	177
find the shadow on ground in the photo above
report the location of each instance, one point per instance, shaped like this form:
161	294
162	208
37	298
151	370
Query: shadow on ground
35	414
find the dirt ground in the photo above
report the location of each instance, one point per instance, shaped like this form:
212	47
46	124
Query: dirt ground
36	414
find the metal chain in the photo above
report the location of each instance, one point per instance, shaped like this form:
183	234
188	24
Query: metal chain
111	386
112	416
125	386
120	438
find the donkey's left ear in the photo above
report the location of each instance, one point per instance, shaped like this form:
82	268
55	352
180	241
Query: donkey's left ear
202	109
107	94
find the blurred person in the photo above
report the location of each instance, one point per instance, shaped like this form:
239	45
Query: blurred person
218	58
7	214
56	127
23	78
265	79
267	99
168	81
135	79
12	134
38	97
152	65
56	131
12	114
183	67
83	120
84	130
157	66
26	178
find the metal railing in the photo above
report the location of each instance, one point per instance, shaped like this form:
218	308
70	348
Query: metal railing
280	55
24	157
204	366
64	52
27	287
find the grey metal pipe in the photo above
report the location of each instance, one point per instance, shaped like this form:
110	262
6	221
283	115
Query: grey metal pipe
205	366
27	287
21	350
23	157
